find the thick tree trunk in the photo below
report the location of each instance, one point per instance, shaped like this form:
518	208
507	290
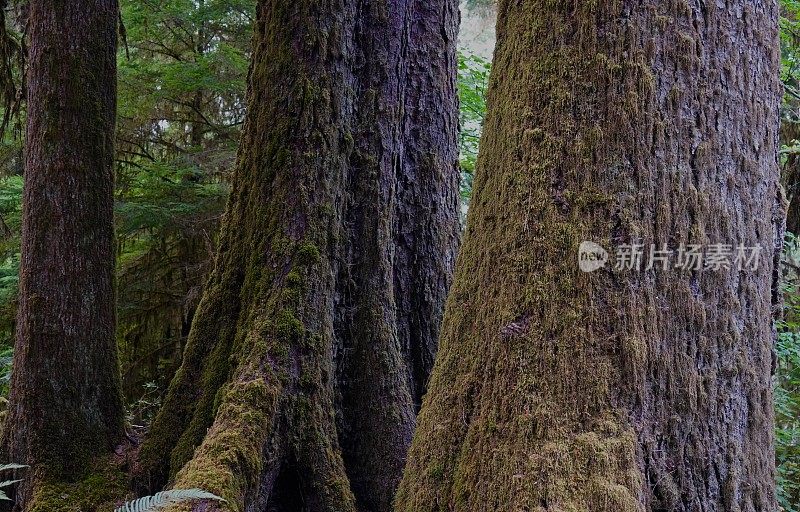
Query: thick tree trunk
311	348
65	403
618	122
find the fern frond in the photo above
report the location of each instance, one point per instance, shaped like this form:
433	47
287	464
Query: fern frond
165	498
8	483
8	467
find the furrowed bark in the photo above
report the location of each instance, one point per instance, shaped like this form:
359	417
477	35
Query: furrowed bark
617	122
311	348
65	402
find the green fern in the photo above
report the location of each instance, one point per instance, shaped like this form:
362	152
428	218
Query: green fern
8	483
9	467
165	498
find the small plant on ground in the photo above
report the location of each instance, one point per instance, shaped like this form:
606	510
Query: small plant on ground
166	498
8	483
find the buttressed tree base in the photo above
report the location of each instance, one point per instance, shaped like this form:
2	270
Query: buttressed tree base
312	346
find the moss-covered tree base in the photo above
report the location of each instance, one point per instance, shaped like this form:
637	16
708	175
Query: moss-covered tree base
310	350
102	488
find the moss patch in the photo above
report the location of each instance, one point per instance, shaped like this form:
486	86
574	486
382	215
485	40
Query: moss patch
101	490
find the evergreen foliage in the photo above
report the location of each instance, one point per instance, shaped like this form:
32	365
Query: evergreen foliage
181	106
473	81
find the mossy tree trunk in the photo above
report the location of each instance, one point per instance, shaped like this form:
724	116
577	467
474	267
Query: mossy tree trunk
65	402
617	122
311	348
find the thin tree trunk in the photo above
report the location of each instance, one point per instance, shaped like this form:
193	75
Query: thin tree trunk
310	351
615	122
790	132
65	403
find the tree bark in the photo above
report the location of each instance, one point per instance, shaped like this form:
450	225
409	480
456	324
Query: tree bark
65	401
311	348
615	122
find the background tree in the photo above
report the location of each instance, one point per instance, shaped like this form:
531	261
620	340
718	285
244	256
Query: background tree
170	189
181	106
65	403
790	113
310	351
787	389
621	122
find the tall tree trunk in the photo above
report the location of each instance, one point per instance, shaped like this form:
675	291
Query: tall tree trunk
65	403
311	348
618	122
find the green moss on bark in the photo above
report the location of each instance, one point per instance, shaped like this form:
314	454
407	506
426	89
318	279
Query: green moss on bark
307	336
102	489
556	389
231	454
